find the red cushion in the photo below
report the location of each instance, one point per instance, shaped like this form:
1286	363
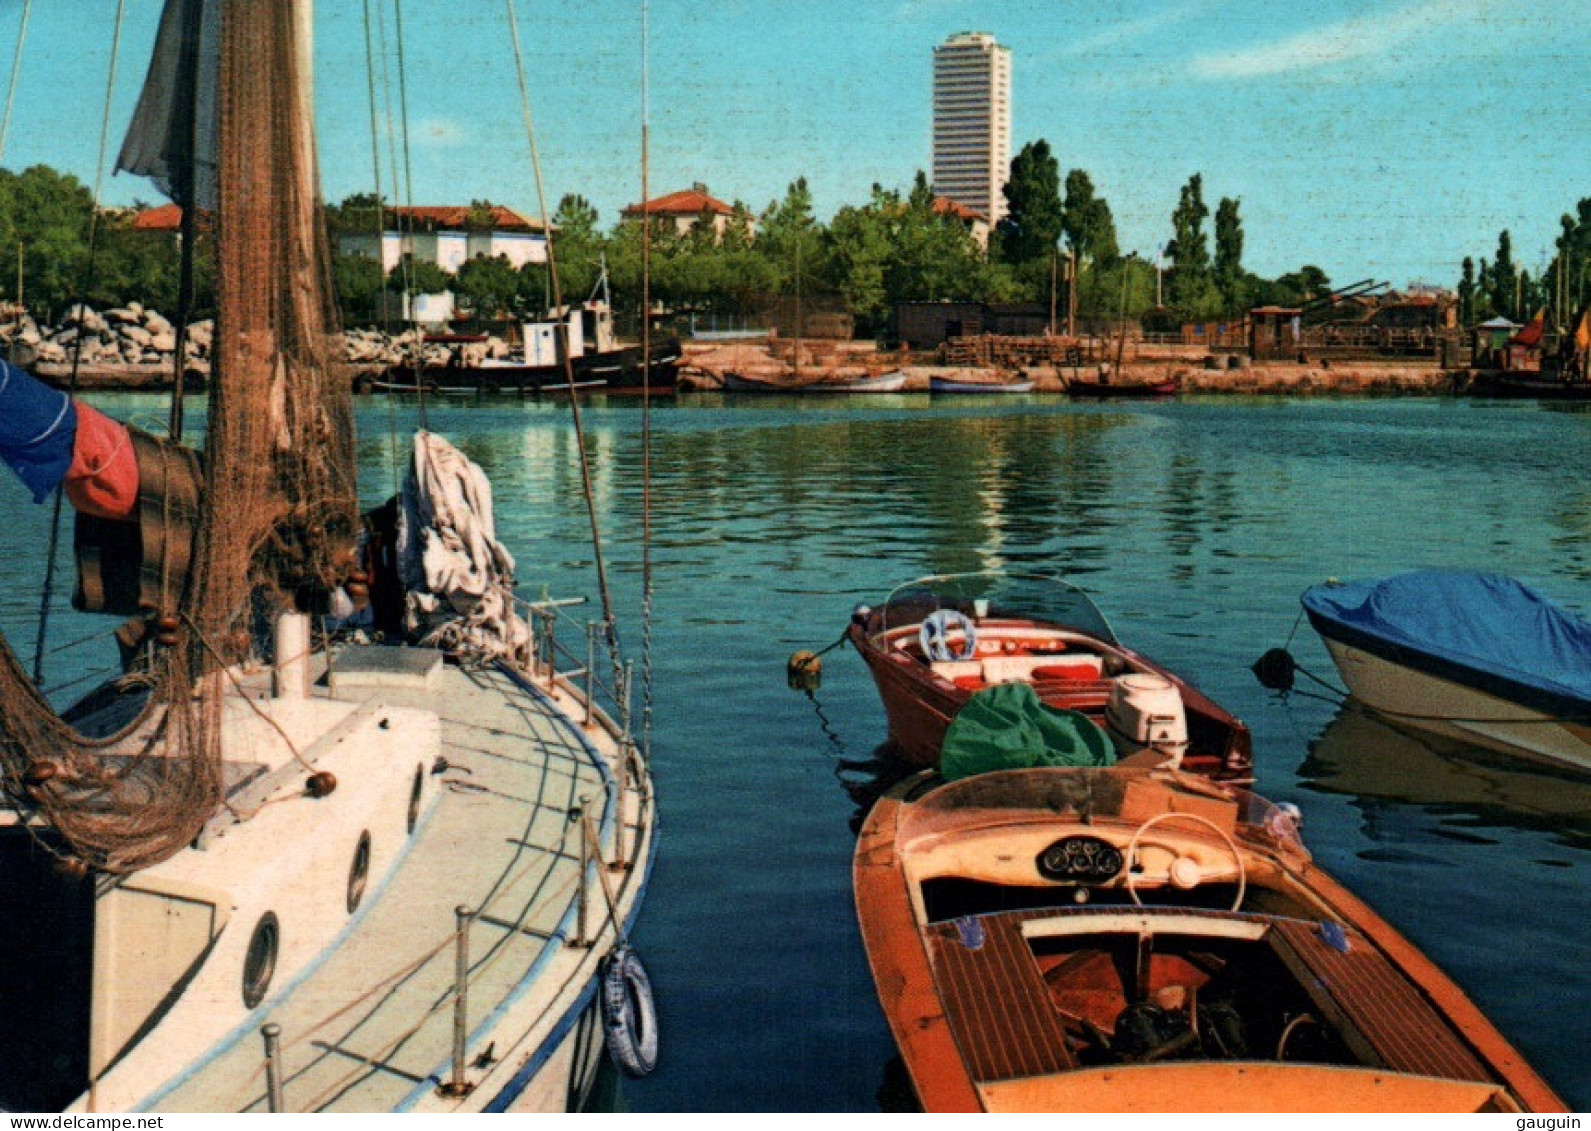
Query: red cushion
1066	671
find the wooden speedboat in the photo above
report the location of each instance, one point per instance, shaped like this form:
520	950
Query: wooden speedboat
1081	387
936	642
1475	656
1134	939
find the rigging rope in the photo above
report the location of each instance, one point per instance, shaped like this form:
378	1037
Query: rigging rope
646	393
610	625
394	448
16	68
90	271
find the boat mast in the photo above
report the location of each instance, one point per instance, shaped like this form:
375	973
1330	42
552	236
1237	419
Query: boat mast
185	180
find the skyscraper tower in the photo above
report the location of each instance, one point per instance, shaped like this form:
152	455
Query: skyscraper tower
972	121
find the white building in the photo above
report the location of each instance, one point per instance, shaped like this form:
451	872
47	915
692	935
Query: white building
972	122
445	236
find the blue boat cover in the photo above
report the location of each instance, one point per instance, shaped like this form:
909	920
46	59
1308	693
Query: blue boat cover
38	427
1483	623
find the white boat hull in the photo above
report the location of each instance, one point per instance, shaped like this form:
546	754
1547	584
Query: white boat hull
1443	707
463	788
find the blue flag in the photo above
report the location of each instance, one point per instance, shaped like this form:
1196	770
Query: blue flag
38	426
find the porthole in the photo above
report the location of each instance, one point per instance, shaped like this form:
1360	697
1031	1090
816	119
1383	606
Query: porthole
359	872
260	962
414	796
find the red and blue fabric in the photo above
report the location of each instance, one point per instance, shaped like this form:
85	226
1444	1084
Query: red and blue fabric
38	427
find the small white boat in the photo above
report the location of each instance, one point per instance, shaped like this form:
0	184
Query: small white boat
949	385
1475	656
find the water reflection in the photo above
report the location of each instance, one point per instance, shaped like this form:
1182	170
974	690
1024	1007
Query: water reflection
1413	788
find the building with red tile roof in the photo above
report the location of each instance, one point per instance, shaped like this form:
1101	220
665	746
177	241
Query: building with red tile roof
685	208
976	222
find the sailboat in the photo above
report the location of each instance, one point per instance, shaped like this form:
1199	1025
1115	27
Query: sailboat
344	835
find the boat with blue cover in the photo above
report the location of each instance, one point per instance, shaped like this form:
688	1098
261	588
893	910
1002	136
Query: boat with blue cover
1477	656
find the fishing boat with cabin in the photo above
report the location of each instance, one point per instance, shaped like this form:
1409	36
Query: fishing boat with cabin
571	350
352	828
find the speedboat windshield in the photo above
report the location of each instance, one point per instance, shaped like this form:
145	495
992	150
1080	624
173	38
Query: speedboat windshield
1029	596
1097	793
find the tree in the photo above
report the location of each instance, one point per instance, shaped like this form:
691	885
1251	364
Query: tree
1090	233
358	284
48	215
1466	293
1504	280
1192	287
1086	221
790	239
488	286
362	213
1033	220
1230	280
481	216
418	277
580	250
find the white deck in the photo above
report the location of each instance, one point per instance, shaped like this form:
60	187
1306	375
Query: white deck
367	1022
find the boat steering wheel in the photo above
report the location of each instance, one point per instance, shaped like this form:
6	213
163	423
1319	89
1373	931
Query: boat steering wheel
1137	836
934	635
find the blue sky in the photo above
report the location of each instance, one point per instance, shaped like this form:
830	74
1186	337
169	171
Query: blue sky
1373	139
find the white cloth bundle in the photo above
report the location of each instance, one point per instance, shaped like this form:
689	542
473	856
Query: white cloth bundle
458	579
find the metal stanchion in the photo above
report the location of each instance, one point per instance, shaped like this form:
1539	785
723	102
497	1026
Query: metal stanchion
272	1033
584	897
457	1085
591	671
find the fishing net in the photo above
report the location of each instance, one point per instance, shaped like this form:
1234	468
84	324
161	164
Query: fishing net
278	513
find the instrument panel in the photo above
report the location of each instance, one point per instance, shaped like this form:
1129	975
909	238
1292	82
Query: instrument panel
1080	860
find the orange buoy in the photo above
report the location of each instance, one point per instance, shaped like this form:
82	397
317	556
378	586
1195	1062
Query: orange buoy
804	672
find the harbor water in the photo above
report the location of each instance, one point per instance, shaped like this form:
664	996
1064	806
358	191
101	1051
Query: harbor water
1195	524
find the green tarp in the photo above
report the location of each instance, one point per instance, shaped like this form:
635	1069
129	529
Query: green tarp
1007	727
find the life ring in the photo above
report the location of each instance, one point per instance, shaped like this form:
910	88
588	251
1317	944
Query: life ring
934	635
629	1018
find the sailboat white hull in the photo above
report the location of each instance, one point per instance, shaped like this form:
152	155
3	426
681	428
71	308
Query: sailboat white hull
492	767
1443	707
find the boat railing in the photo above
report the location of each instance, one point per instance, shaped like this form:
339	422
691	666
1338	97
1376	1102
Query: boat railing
587	931
585	936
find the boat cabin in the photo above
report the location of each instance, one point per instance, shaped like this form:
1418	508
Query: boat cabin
590	330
